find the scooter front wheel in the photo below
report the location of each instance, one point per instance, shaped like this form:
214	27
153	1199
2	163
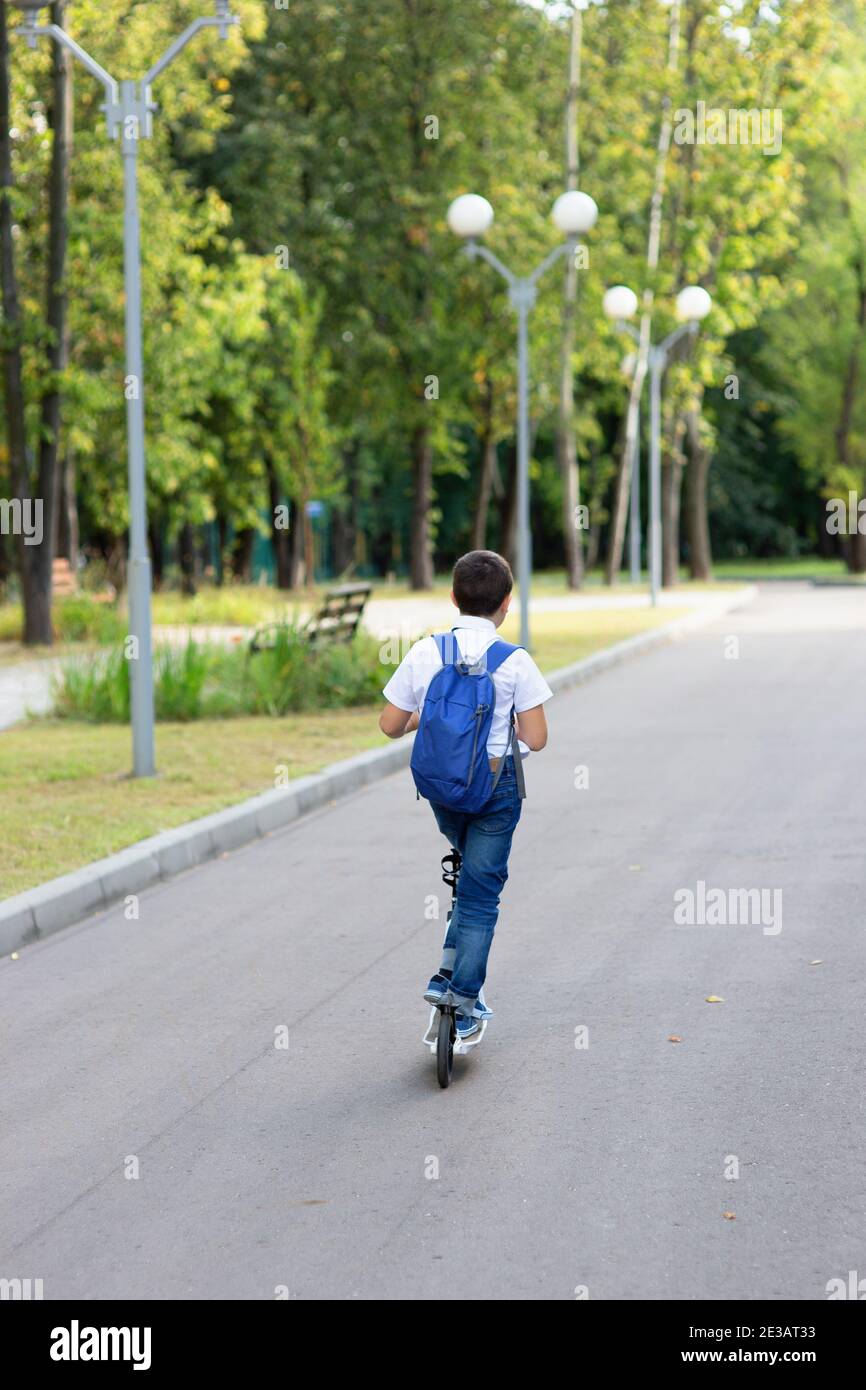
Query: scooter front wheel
445	1048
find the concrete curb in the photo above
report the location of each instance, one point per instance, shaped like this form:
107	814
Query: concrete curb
40	912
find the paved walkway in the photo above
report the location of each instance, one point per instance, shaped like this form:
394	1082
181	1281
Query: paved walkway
157	1144
25	686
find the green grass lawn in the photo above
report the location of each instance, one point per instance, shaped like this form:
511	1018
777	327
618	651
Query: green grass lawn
235	605
560	638
67	799
807	567
14	653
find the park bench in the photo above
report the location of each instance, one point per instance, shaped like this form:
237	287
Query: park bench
336	620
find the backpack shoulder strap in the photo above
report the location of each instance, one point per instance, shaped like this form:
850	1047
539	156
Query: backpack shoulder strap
512	749
448	649
518	760
498	652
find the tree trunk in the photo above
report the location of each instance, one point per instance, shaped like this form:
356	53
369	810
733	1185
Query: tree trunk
344	527
672	477
566	445
186	558
697	512
828	546
242	554
279	535
203	553
222	522
485	474
593	545
854	550
418	275
343	539
421	560
157	549
622	487
309	548
67	507
49	481
842	432
116	558
855	556
485	489
37	602
296	556
508	510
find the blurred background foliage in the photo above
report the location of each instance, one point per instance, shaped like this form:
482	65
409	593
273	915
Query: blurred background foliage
314	337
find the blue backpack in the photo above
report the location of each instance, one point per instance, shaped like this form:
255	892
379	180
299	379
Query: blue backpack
449	757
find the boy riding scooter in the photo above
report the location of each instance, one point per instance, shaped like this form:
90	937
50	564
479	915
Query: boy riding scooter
478	705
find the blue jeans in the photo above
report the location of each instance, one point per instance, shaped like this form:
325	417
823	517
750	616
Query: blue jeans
484	842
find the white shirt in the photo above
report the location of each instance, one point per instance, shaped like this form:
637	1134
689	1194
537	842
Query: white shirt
517	681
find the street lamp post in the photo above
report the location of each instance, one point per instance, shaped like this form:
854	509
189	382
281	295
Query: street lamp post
693	304
620	304
634	514
129	117
469	216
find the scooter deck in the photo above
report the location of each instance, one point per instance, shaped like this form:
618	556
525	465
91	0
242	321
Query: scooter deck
461	1045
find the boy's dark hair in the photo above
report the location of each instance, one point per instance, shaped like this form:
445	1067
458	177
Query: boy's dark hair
482	581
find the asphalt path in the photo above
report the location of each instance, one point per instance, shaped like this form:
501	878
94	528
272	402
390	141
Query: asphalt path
159	1140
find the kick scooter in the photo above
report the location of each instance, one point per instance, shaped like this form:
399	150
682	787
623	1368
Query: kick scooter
441	1036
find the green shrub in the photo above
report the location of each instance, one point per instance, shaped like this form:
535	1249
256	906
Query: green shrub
80	618
292	676
11	620
179	681
206	681
352	675
283	678
95	689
